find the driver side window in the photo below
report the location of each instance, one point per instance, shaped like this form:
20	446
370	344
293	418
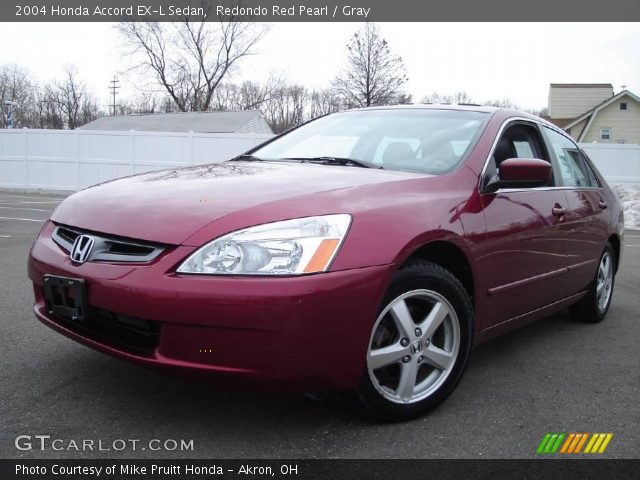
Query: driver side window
519	140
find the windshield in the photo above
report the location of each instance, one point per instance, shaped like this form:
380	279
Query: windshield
417	140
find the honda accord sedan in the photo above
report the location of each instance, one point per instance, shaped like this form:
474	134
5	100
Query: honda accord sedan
366	251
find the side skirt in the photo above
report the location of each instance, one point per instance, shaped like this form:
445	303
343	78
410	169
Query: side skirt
521	320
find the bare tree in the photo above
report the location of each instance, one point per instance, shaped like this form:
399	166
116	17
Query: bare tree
323	102
190	59
433	97
248	95
458	98
143	102
461	97
48	113
541	112
503	102
77	106
88	110
56	104
372	75
286	108
17	85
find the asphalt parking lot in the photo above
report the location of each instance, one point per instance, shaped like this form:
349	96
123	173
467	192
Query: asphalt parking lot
556	375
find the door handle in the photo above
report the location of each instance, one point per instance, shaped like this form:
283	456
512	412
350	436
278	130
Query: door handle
558	211
602	204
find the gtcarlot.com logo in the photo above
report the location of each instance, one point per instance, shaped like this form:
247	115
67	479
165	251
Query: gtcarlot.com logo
574	443
45	443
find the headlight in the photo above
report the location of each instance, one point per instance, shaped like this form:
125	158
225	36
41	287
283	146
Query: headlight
298	246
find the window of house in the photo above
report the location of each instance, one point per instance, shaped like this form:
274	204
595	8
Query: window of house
573	168
605	133
623	105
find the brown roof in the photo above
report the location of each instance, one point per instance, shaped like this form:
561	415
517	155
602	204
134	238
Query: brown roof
581	85
559	122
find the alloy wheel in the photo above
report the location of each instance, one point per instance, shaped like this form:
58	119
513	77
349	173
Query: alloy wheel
413	347
604	281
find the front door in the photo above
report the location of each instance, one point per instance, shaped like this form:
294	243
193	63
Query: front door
524	257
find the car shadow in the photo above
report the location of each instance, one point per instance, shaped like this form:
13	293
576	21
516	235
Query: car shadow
137	395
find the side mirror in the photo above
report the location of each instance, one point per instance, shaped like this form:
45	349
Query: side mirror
530	171
521	172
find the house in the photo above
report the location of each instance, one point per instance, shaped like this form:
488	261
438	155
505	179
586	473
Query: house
591	112
242	121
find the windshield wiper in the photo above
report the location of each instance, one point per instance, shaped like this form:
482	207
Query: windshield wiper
246	157
336	161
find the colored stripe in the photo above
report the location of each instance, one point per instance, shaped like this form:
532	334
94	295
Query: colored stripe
598	442
607	439
593	439
567	442
557	444
584	439
576	439
322	256
550	443
543	443
591	442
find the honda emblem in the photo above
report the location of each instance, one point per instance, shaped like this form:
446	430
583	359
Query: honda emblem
81	248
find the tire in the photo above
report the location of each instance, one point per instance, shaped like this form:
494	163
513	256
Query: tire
593	307
434	304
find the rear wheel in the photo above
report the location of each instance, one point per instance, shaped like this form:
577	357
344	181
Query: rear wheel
419	343
593	307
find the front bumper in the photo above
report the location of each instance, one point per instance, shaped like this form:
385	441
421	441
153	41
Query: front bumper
295	333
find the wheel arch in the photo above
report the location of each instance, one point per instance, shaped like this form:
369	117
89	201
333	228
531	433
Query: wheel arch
615	242
450	256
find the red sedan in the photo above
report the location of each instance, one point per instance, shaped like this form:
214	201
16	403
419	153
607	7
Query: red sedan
366	251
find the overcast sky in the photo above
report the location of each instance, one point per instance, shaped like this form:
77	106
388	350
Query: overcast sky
514	60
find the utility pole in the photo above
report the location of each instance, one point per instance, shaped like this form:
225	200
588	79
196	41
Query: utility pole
114	89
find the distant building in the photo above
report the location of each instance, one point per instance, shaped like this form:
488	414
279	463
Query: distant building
590	112
243	121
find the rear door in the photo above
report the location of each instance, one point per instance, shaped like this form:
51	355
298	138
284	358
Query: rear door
587	214
524	258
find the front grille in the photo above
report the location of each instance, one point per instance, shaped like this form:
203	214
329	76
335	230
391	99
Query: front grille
131	334
108	248
66	235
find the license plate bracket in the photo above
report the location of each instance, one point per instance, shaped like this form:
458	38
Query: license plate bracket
65	297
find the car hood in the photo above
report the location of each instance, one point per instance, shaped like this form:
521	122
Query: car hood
169	206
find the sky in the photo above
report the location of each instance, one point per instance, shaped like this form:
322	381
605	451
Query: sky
487	60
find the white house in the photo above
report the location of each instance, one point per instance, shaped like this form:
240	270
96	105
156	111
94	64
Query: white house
590	112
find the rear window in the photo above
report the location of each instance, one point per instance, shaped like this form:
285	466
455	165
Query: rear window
574	170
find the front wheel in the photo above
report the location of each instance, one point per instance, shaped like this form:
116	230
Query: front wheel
593	307
419	343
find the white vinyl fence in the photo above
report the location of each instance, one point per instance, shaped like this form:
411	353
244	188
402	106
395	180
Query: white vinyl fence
70	160
619	163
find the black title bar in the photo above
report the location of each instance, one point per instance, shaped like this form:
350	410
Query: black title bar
318	469
320	10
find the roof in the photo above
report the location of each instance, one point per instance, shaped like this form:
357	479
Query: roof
581	85
558	122
244	121
594	111
435	106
